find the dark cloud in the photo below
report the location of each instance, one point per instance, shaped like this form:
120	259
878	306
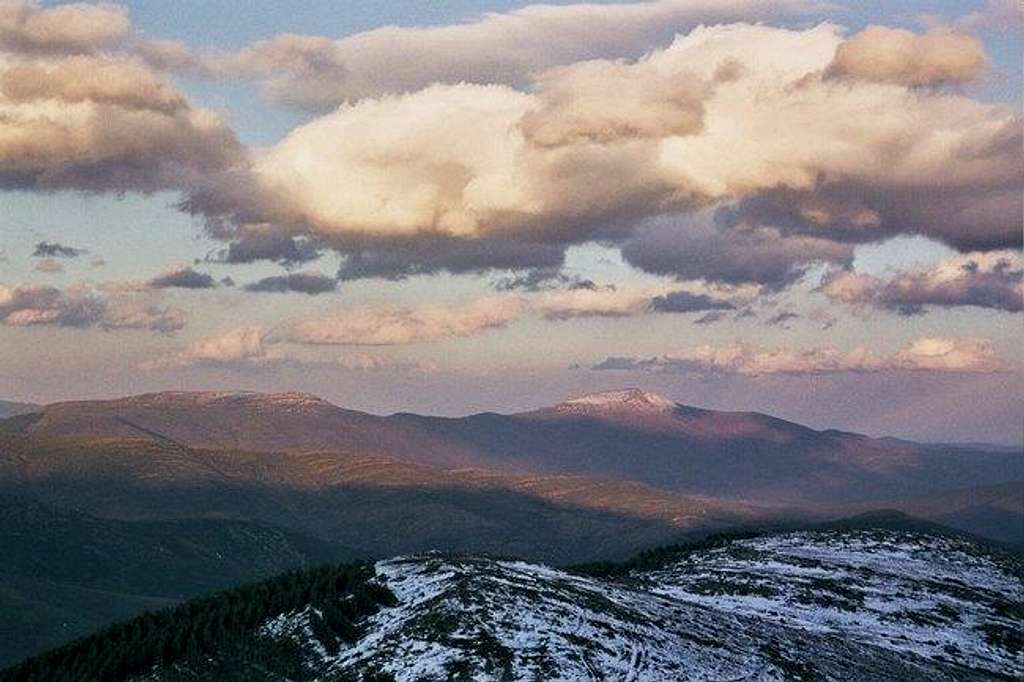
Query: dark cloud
429	255
28	305
257	245
55	250
691	249
686	302
302	282
781	319
710	318
969	218
183	278
982	280
619	363
540	279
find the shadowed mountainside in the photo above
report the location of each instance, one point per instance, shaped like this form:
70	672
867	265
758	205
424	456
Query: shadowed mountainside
65	574
10	409
375	504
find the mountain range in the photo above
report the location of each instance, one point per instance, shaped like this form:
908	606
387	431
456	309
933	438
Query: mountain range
631	435
221	487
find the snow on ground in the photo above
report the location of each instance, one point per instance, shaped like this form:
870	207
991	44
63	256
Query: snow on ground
834	606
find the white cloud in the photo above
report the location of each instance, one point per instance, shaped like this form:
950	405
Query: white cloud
27	26
933	354
81	109
255	347
241	345
751	117
889	55
498	48
390	325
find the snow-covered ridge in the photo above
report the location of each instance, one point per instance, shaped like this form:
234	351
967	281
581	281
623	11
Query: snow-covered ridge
628	400
865	605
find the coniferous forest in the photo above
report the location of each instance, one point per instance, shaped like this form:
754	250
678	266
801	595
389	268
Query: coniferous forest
184	638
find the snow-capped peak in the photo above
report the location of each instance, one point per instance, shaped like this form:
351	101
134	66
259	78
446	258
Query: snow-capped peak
628	400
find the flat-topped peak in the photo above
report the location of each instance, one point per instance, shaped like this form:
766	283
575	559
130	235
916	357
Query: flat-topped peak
203	399
625	400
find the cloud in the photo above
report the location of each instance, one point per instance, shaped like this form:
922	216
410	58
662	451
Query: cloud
992	280
930	354
400	258
499	48
113	81
182	277
528	132
311	283
781	319
710	318
80	109
689	248
688	302
389	325
574	106
623	301
49	265
26	305
606	301
134	314
890	55
254	243
541	279
801	164
244	344
55	250
254	347
27	26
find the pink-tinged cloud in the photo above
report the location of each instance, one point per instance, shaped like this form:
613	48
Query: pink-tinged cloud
926	354
992	280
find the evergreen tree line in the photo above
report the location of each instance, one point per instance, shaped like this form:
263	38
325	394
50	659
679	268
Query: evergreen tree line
219	630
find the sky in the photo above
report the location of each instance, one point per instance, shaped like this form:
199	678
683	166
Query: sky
802	208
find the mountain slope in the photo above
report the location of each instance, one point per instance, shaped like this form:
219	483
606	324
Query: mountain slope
824	605
65	574
10	409
376	505
623	434
992	511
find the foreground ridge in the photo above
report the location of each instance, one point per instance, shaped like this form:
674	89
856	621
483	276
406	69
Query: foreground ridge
833	604
866	605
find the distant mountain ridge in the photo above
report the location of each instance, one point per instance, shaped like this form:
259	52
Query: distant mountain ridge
10	409
628	434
